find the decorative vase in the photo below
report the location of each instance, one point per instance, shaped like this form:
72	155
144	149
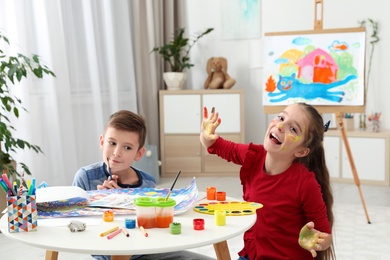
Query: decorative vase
175	80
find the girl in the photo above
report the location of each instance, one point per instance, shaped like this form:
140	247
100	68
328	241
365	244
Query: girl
288	175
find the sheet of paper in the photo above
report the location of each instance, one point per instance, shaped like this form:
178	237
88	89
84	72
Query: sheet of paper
121	201
59	193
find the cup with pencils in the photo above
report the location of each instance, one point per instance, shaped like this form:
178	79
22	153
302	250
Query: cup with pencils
21	205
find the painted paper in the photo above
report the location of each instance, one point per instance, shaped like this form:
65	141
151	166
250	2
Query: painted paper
316	68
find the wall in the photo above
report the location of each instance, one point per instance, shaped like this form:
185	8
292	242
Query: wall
283	16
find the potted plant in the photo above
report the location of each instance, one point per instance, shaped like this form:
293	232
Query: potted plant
176	53
12	70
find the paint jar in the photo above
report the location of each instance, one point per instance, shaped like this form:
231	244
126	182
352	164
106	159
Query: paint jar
145	211
220	217
198	223
221	195
108	216
164	212
210	191
175	228
129	223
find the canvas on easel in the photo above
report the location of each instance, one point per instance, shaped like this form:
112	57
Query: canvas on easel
324	68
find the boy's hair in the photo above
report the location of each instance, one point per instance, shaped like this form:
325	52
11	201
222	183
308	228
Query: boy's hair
315	162
128	121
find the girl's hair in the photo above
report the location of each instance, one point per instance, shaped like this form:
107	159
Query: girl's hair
128	121
315	162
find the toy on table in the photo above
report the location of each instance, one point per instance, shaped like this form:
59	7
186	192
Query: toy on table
76	226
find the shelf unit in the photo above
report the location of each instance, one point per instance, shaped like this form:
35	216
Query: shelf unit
181	113
370	152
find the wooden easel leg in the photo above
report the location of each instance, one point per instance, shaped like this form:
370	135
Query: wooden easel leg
351	162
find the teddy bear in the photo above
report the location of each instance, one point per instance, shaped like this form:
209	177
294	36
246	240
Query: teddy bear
217	74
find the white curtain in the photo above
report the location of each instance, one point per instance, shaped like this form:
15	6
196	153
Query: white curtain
88	45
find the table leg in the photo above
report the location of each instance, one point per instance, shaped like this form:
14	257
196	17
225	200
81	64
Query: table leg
120	257
51	255
222	250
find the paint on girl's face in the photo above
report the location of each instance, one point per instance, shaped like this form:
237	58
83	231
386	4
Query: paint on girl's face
280	126
288	141
295	138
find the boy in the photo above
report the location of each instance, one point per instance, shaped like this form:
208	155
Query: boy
122	143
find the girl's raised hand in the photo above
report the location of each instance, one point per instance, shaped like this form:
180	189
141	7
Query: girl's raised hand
208	126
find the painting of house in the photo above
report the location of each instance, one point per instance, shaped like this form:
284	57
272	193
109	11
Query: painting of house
311	67
317	66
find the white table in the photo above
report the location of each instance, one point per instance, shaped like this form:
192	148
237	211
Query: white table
58	238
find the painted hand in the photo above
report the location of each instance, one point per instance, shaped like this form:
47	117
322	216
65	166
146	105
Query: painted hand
209	124
310	239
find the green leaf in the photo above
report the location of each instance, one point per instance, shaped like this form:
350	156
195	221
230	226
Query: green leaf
38	72
16	111
20	143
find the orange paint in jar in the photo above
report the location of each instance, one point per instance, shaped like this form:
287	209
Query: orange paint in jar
164	212
210	191
145	211
146	222
163	221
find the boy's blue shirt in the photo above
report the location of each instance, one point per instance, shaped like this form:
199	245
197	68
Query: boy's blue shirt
88	177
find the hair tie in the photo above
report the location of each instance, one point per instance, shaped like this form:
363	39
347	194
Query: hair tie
326	126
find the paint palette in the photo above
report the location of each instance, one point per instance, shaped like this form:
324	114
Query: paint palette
232	208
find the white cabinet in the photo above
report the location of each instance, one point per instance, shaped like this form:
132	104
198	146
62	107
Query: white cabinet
332	155
181	113
370	154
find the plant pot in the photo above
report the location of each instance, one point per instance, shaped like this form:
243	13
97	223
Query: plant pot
174	80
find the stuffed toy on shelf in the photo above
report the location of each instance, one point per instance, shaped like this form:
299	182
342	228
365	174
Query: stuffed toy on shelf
218	78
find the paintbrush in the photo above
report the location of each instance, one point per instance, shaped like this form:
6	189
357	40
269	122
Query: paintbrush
109	168
169	193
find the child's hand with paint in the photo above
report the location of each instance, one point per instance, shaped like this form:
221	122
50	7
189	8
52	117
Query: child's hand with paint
313	240
208	127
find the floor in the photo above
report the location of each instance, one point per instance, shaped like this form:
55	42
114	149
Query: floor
354	238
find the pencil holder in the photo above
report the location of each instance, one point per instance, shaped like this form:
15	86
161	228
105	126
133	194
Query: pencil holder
22	213
349	124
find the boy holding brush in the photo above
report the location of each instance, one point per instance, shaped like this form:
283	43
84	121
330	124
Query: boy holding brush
122	143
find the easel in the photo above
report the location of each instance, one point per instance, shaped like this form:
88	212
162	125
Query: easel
318	6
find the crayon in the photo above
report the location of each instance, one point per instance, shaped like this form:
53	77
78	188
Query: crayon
113	234
109	231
